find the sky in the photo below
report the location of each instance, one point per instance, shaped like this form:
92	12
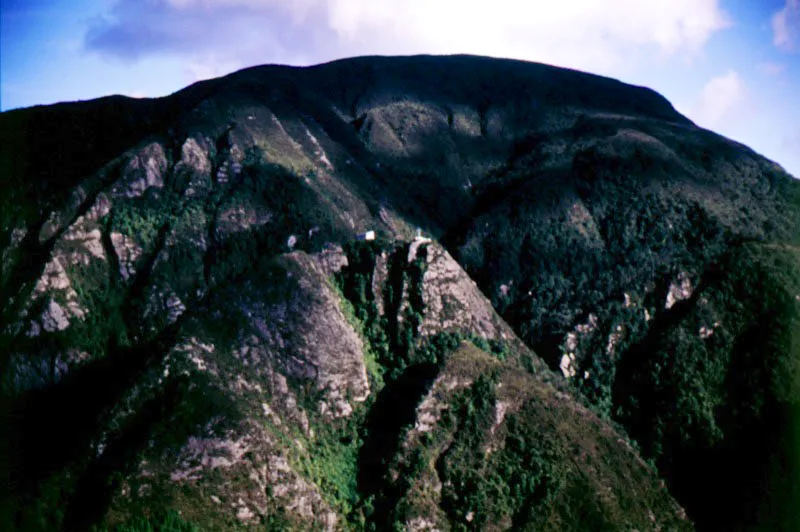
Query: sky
732	66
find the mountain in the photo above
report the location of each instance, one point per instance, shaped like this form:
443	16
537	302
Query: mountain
580	311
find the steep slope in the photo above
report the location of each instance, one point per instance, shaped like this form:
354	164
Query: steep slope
492	450
657	267
272	403
185	313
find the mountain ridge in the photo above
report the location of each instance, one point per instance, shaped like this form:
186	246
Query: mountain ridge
198	254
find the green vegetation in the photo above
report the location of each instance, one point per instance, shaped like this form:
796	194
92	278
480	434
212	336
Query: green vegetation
168	521
355	284
374	369
510	483
329	459
393	335
465	490
142	220
689	401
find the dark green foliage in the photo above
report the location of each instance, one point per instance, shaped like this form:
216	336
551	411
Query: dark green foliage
390	417
612	218
401	335
395	341
392	336
465	489
525	471
494	347
168	521
356	283
510	483
408	365
331	461
105	323
695	404
142	219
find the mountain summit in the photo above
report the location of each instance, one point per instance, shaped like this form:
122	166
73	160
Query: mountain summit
422	293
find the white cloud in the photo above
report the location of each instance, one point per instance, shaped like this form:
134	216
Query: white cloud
592	35
786	26
584	34
721	97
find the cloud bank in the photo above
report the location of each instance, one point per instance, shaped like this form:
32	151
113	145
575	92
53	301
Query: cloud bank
721	98
586	34
786	27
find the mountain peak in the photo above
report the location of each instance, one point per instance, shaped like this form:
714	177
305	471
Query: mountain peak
598	329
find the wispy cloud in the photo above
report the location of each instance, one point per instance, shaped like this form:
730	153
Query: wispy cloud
786	26
585	34
211	38
721	97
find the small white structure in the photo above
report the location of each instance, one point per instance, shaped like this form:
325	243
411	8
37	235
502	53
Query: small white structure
419	238
369	235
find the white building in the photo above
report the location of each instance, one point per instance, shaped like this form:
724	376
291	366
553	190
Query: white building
419	237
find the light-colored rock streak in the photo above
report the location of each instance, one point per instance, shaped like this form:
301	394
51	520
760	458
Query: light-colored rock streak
319	151
679	290
453	301
54	318
128	253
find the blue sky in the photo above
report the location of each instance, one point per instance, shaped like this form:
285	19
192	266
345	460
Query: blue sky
732	66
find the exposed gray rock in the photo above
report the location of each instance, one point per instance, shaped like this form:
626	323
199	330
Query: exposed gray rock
128	253
34	330
679	290
379	277
163	302
88	244
58	219
54	318
194	155
54	280
454	302
50	227
17	235
331	259
175	308
241	217
252	471
145	169
309	337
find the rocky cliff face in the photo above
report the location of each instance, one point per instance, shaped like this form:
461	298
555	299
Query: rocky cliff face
603	295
